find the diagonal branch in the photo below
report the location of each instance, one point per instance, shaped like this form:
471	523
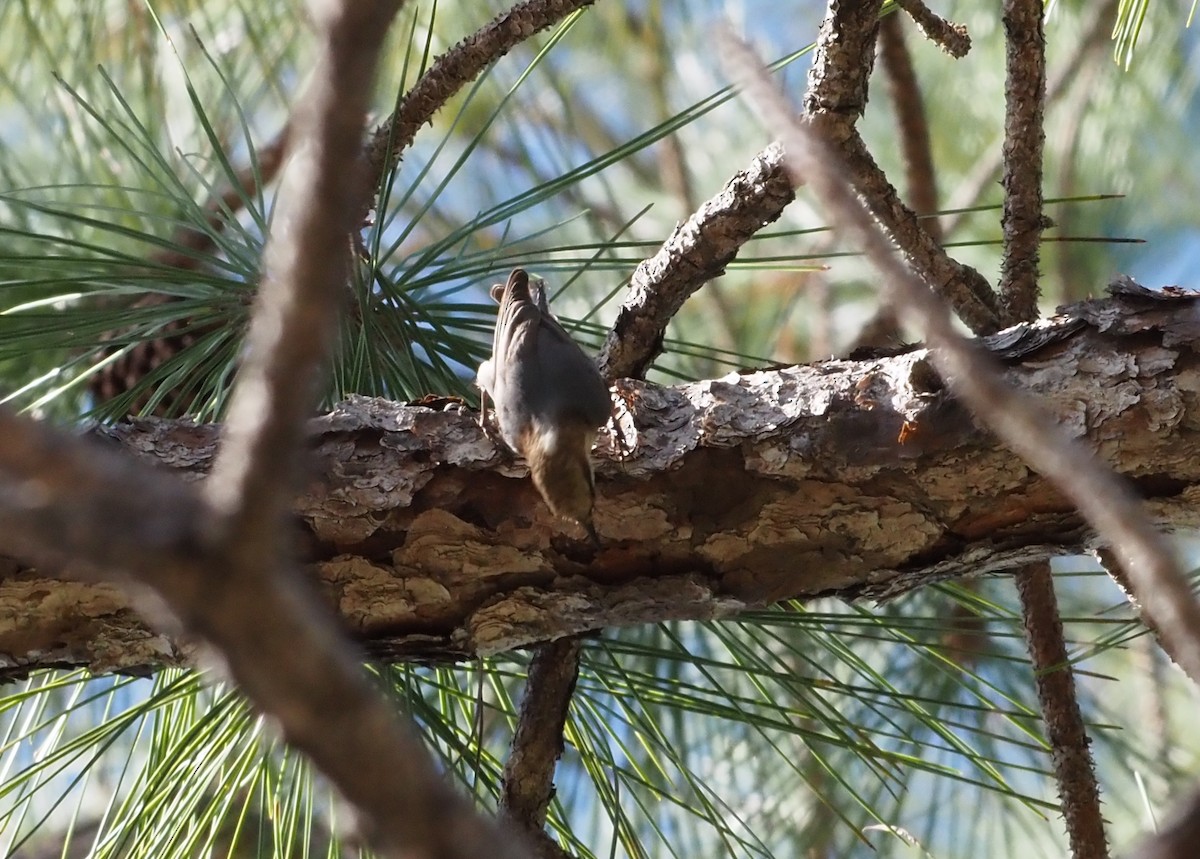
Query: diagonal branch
1106	502
537	745
698	250
215	556
1065	731
453	70
304	272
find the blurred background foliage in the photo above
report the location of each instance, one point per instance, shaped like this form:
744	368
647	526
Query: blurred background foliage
139	142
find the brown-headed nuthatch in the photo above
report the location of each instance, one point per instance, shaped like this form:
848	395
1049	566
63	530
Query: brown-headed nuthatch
550	398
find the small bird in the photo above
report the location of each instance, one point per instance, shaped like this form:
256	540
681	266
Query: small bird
550	399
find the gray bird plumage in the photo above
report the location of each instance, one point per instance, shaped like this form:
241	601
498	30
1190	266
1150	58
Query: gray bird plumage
550	399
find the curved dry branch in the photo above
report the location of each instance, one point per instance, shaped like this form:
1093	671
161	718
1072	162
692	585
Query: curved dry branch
836	98
698	250
455	69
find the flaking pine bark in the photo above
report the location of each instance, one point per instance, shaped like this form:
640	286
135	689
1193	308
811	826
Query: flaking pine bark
861	479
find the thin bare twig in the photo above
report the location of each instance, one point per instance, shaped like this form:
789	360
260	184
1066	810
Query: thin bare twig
537	744
1024	142
920	179
1065	731
836	97
951	38
1100	496
453	70
987	170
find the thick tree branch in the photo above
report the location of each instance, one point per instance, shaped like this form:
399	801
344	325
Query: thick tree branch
863	478
68	502
1065	731
1024	142
1105	501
